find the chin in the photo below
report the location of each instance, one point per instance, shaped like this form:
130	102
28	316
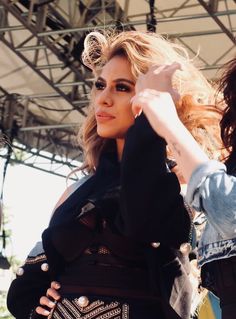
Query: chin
109	134
105	134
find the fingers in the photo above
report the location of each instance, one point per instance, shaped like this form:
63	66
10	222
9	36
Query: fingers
142	99
151	99
167	68
159	109
165	74
136	109
159	77
136	106
174	67
52	291
42	311
47	303
55	285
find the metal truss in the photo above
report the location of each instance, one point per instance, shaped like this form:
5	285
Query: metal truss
212	8
48	37
35	17
50	148
220	13
56	59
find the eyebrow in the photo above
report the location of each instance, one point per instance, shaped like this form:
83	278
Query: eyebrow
117	80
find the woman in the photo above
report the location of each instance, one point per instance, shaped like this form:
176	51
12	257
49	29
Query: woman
113	244
212	185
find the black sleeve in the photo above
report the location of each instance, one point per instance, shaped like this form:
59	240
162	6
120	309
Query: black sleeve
26	290
152	208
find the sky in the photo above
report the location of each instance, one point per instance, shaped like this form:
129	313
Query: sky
29	198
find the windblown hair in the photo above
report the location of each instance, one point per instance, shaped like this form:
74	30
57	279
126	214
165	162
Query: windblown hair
228	123
143	50
203	122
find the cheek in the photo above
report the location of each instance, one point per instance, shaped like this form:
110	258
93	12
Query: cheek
127	118
128	108
129	113
95	101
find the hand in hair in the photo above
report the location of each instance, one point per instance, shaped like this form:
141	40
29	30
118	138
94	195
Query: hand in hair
159	78
158	107
155	95
160	111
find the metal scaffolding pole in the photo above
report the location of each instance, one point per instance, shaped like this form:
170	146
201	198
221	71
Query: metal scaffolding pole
68	63
211	9
36	141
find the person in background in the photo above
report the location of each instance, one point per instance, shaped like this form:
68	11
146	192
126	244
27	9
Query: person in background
211	184
115	245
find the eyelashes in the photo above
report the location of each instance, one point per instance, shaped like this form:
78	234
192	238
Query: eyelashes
123	87
99	85
120	87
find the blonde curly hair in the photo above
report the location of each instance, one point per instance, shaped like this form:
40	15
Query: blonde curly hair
143	49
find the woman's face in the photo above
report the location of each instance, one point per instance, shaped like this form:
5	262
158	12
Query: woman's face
113	90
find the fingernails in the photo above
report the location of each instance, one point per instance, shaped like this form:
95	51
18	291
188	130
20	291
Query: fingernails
138	114
46	312
57	285
51	304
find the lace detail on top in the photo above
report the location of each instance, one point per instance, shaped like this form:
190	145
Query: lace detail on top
101	250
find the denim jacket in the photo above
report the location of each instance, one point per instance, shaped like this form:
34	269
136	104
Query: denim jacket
212	191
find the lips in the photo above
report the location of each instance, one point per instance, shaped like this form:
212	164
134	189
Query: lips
103	116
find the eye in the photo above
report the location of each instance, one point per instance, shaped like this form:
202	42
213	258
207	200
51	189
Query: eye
123	87
99	85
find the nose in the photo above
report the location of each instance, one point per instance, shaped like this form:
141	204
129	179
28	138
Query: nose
104	98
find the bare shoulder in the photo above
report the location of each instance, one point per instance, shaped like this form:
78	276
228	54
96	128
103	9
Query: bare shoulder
70	190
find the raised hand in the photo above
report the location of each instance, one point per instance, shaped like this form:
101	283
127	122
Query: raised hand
155	96
159	78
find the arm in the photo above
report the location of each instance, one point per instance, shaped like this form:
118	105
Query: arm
210	189
155	96
161	113
186	151
152	207
26	290
30	288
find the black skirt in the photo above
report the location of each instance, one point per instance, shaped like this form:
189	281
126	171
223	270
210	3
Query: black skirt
104	307
109	288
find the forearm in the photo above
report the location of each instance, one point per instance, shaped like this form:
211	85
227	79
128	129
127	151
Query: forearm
150	195
186	151
161	114
32	283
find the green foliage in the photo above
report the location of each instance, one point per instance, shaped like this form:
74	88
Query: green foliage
4	313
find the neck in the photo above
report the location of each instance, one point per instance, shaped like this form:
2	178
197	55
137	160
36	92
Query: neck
120	146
